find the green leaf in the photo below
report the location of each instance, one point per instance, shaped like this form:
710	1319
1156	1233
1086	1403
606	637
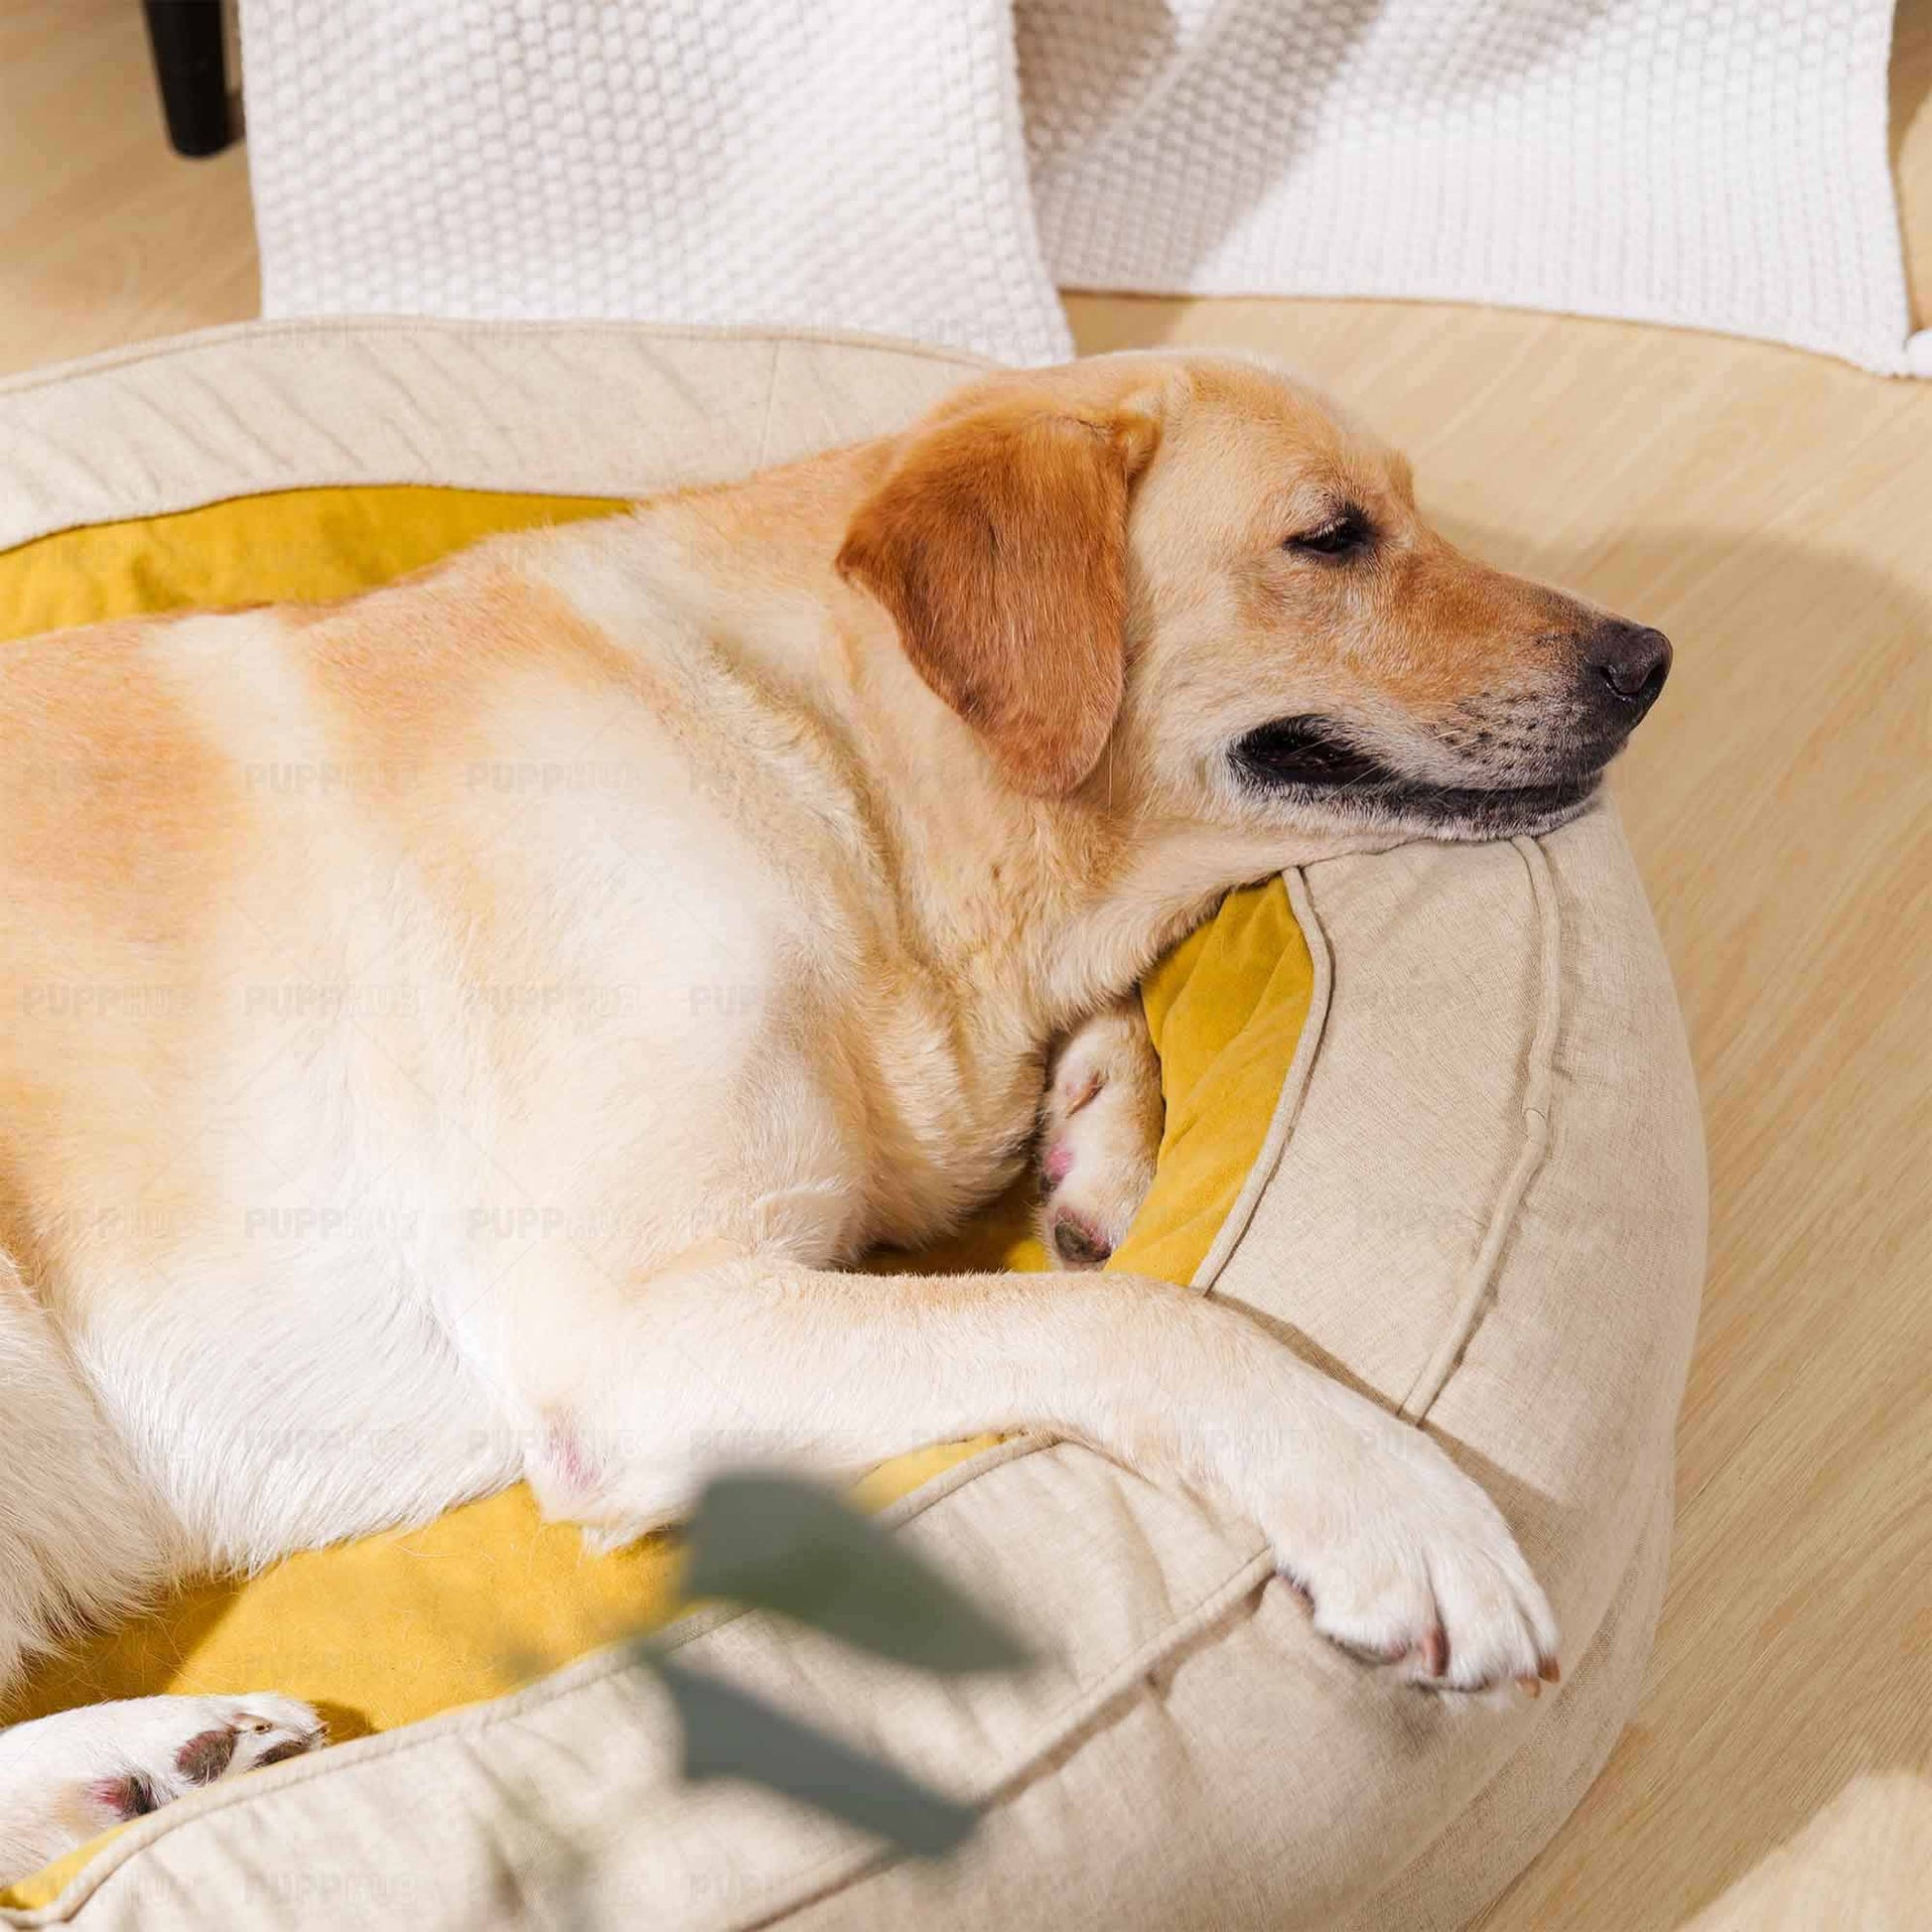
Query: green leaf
779	1544
729	1734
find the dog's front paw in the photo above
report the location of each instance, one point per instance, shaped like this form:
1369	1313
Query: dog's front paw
1404	1563
1100	1131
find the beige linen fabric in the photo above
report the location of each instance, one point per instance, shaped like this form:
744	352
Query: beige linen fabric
585	408
1488	1206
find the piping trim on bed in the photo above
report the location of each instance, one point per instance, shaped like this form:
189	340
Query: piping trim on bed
1294	1086
1472	1293
252	407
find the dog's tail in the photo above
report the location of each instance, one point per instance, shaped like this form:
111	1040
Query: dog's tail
82	1539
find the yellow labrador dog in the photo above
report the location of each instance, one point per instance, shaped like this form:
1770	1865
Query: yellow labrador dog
461	1033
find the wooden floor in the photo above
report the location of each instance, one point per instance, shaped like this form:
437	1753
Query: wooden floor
1774	512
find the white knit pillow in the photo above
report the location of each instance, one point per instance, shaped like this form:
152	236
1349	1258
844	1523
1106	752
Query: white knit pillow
1719	164
846	164
861	164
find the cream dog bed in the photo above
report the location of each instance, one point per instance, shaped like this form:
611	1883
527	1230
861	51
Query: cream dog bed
1430	1116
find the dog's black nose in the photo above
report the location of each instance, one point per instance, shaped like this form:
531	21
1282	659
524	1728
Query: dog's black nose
1633	660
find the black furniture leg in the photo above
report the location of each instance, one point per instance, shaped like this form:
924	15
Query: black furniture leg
189	66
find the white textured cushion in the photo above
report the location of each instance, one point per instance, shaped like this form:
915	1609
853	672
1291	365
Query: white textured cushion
1717	164
848	163
1489	1209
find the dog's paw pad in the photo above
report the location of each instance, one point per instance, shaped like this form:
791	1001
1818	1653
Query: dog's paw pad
128	1796
1076	1241
165	1747
207	1756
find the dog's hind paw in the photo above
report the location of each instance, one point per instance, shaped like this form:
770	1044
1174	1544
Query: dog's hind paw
67	1777
1100	1130
172	1745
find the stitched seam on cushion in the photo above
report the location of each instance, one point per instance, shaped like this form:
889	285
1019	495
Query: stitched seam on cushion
840	1869
466	1720
184	488
770	399
1472	1296
700	1623
350	326
1294	1086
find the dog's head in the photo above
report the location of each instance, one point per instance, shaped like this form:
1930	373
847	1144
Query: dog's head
1205	572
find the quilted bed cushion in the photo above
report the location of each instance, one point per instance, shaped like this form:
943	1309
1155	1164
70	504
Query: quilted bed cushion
1428	1116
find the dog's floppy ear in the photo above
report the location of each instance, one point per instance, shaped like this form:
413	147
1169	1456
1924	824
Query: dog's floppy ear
998	542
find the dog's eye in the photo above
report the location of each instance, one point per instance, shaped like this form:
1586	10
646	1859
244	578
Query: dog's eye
1338	537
